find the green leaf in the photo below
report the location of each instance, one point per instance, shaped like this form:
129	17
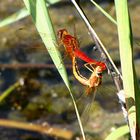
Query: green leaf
42	21
21	14
130	83
15	17
7	92
104	12
119	132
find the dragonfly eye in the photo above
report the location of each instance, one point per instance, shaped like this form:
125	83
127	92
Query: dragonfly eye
61	32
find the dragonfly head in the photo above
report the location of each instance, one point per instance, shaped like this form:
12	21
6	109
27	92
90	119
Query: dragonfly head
61	33
99	71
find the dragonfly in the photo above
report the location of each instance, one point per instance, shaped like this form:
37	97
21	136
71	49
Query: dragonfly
72	48
71	45
93	81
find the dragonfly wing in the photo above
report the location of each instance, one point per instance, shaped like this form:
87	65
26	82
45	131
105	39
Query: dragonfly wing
88	108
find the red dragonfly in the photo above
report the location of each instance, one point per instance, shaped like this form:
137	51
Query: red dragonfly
72	48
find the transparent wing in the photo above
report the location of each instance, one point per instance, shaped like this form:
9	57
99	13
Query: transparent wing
103	99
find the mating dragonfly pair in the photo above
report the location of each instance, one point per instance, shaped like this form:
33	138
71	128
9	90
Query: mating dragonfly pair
72	49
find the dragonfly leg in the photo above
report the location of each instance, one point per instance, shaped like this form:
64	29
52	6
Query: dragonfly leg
91	65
